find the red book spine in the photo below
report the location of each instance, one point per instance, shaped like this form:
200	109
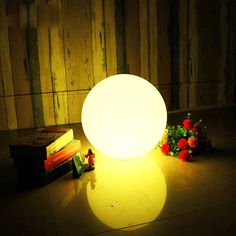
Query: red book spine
62	155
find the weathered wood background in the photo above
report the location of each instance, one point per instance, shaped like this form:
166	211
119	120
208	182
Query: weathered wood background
52	52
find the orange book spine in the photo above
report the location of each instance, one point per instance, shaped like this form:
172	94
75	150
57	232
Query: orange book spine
62	155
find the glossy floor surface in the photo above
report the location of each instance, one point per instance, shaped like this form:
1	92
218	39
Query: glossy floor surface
153	195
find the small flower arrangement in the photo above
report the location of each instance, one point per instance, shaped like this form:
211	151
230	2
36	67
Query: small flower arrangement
184	140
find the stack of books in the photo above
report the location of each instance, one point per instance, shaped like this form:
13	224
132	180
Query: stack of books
44	155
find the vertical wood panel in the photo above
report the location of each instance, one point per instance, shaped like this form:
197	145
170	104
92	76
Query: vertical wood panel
208	28
56	42
43	10
132	38
49	13
144	41
48	109
224	31
174	45
44	53
183	54
111	57
18	60
2	14
58	73
231	83
75	103
12	13
23	15
163	17
3	117
120	36
18	50
8	117
78	45
61	107
164	59
32	14
5	52
24	111
34	75
193	53
153	28
44	60
59	79
78	53
18	55
208	50
11	112
98	41
33	59
1	80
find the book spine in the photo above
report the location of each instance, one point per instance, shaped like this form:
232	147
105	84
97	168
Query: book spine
62	155
78	166
38	178
59	143
29	164
27	152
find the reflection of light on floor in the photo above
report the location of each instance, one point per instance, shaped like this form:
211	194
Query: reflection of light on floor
69	190
127	193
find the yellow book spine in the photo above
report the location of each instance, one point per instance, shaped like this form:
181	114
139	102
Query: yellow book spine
59	143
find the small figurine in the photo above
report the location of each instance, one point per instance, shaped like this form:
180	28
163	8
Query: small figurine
90	155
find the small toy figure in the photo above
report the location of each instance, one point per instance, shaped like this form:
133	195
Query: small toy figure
90	155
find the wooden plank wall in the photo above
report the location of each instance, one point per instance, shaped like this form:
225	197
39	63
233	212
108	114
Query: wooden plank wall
53	52
206	53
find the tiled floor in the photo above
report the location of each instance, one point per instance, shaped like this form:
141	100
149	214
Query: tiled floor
154	195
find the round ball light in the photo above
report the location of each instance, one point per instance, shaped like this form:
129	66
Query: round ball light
124	116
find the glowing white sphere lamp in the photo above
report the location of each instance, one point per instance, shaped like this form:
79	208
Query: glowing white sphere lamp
124	116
